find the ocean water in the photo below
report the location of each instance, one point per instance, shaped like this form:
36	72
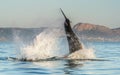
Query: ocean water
53	42
110	51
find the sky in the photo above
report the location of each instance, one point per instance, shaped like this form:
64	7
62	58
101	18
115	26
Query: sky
41	13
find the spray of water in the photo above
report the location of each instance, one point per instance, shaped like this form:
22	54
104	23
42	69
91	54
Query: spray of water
49	43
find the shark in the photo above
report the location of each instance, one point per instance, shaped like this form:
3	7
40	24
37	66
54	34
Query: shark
73	40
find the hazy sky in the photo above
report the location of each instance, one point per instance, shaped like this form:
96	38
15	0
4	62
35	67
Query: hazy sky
39	13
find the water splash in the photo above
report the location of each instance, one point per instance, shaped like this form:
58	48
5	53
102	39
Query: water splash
52	42
83	54
49	43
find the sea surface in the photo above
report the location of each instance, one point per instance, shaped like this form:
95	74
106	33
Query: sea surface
109	51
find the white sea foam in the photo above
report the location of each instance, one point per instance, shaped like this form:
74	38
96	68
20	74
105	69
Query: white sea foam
83	54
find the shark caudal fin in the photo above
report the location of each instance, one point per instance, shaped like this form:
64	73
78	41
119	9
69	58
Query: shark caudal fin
73	41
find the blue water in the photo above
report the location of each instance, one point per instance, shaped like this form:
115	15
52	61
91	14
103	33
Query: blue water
109	51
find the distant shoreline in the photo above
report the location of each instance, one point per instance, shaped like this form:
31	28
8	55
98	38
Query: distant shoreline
85	31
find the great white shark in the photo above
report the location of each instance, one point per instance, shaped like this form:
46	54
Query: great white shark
73	41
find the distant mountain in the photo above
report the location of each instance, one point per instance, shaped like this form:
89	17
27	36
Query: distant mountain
117	30
93	32
25	34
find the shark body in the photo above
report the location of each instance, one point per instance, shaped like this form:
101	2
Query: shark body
73	41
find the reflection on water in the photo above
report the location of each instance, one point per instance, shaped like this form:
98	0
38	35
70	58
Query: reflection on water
59	66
